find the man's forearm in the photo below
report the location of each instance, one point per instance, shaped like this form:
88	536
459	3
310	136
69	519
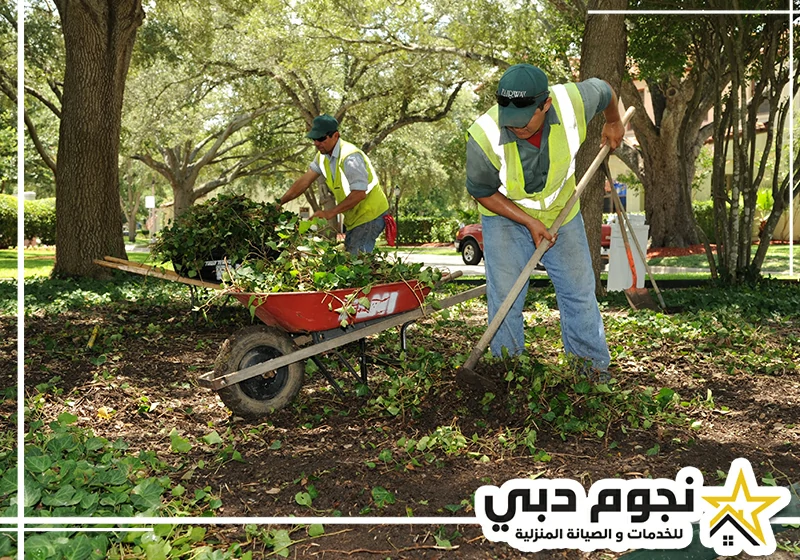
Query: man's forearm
350	201
502	206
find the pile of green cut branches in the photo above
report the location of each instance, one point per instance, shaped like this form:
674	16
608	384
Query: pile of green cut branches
302	260
230	227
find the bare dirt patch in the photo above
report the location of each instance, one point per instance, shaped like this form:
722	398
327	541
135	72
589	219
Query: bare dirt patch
334	448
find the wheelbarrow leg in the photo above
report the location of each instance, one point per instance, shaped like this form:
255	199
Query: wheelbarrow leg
403	329
346	363
328	376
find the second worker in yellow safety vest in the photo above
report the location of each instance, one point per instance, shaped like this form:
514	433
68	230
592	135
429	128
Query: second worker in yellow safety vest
353	181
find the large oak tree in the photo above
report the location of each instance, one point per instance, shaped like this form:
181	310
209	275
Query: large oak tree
98	38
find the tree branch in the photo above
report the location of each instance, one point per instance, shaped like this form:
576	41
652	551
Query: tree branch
412	119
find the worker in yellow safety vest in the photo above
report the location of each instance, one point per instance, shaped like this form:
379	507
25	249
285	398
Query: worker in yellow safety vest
521	171
353	181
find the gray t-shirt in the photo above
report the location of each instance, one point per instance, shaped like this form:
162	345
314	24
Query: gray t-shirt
483	178
354	168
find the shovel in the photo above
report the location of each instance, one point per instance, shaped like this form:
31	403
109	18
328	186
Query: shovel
638	298
467	373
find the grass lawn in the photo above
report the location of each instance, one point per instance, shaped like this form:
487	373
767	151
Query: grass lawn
39	262
777	259
419	250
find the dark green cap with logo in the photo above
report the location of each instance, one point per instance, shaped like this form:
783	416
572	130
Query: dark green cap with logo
521	80
322	126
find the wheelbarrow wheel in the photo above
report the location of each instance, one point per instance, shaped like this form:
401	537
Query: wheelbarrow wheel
265	393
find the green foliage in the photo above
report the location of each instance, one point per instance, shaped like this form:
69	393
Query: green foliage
765	201
704	214
39	216
53	296
661	45
163	542
8	221
305	262
8	460
420	229
230	226
69	472
310	263
40	220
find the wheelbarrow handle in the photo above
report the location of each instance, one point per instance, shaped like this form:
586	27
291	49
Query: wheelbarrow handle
544	244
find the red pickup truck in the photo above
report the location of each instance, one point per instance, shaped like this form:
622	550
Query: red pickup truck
469	242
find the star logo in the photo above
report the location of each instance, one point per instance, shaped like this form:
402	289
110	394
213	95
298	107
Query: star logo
736	517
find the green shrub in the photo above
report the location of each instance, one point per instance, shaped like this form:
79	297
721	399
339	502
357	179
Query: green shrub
704	214
40	220
421	229
8	221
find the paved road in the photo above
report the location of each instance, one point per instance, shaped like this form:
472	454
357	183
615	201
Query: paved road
453	262
450	262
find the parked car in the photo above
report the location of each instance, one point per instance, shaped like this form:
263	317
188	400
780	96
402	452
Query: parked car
469	242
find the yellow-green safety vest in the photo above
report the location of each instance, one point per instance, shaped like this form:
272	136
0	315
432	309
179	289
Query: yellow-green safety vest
368	209
564	140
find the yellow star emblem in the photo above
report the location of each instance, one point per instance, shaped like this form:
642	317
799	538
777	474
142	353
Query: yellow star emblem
735	506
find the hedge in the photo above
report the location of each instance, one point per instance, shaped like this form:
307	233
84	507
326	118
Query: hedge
421	229
40	220
704	215
8	221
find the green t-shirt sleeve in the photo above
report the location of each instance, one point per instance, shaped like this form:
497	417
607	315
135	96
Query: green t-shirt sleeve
596	95
483	178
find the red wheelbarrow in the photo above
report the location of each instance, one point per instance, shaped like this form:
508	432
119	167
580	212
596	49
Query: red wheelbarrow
260	368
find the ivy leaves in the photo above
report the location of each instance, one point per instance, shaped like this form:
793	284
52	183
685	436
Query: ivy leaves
308	262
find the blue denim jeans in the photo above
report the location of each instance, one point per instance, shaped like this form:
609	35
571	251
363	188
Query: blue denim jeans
362	238
507	248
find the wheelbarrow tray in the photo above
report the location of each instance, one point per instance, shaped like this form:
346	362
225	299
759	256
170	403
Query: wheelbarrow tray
302	312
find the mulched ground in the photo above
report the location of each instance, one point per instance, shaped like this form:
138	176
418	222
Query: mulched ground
659	252
325	442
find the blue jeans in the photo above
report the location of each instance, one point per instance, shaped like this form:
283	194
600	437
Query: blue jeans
362	238
507	249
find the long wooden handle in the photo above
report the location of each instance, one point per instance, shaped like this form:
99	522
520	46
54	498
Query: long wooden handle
145	270
639	248
544	244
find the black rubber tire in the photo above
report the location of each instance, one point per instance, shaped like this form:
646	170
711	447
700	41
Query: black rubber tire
261	395
471	253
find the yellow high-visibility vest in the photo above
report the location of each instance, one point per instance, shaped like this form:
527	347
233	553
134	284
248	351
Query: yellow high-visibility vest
368	209
564	141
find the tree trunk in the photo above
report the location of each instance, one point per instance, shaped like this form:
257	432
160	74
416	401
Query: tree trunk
602	56
98	37
666	208
665	178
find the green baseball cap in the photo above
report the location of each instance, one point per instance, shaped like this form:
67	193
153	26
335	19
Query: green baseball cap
521	90
322	125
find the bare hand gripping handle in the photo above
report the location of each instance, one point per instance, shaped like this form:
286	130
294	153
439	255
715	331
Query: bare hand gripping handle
524	277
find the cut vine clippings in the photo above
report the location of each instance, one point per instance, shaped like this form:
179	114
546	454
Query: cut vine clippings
303	261
229	227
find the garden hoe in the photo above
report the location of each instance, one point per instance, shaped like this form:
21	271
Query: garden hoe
638	298
467	373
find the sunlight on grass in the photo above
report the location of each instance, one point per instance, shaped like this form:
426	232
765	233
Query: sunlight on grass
39	262
777	260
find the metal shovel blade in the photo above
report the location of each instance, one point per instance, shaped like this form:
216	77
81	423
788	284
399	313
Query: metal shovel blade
468	376
638	298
